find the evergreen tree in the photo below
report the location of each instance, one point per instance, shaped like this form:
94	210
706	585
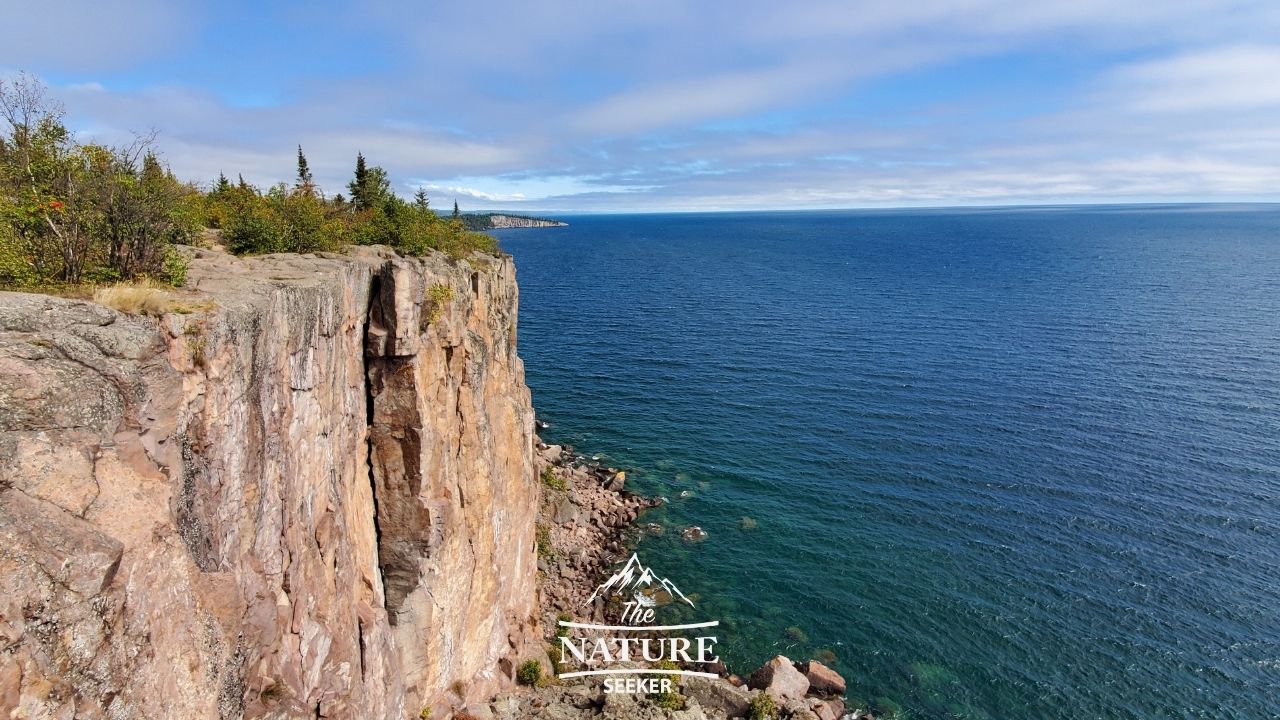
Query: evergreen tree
305	181
359	187
224	185
420	199
456	214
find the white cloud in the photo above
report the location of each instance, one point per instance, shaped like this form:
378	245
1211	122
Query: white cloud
1217	79
91	35
617	105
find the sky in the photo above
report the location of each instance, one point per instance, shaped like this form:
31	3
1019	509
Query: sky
602	106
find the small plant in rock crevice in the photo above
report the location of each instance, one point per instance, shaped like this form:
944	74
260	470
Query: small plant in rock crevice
762	707
553	481
542	540
530	673
438	295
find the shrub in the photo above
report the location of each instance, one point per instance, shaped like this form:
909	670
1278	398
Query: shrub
17	266
762	707
438	294
542	540
174	269
81	212
551	480
671	699
530	673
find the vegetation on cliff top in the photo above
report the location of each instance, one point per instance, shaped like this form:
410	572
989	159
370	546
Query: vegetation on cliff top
74	213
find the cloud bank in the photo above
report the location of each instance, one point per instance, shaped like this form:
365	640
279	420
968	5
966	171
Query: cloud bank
669	105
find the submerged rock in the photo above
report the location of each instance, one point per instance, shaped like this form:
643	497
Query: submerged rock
693	534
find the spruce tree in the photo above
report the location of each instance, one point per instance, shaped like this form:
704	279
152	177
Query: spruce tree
420	199
359	187
305	181
456	214
224	185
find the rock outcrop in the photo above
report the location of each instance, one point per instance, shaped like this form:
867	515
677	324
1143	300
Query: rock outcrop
780	679
499	221
310	492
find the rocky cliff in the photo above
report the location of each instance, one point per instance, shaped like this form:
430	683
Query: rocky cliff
306	491
498	221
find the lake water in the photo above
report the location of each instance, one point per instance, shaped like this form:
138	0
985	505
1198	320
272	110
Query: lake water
1001	463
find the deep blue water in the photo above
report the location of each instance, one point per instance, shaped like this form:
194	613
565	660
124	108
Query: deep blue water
1004	463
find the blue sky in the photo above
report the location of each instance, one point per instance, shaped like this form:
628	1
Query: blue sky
664	105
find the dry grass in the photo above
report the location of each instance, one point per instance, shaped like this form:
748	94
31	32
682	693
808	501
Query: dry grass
145	297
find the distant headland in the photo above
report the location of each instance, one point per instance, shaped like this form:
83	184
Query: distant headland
503	221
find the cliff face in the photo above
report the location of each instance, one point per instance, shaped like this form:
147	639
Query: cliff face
497	221
312	496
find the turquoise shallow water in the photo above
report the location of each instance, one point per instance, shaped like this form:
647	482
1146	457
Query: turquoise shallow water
1003	463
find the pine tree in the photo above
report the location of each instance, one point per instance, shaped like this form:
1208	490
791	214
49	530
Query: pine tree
359	187
420	199
305	181
224	185
456	214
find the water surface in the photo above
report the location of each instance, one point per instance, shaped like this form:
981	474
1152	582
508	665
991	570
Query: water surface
1002	463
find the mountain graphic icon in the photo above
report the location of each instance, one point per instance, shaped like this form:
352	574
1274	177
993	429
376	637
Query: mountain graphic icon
638	581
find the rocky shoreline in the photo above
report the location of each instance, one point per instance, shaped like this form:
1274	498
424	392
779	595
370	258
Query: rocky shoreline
584	522
587	523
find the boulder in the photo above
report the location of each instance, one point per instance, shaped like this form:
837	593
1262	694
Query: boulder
826	709
717	696
798	710
616	482
566	512
822	679
780	679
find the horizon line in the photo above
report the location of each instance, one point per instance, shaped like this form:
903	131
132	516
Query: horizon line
874	208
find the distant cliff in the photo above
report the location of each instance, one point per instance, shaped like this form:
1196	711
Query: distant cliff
309	491
502	221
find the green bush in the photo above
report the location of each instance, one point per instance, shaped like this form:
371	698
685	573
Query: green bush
762	707
551	480
562	631
542	540
174	267
73	213
530	673
17	264
671	699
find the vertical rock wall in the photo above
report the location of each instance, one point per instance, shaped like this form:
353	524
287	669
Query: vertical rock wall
310	495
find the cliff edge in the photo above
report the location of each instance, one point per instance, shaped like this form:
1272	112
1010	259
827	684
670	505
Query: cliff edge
307	491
